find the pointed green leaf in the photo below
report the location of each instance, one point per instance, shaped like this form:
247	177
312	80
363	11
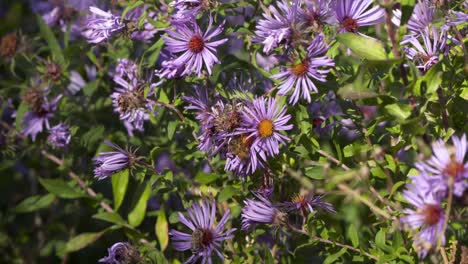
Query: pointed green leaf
52	42
82	241
353	235
162	230
113	217
35	203
136	216
365	47
60	188
119	187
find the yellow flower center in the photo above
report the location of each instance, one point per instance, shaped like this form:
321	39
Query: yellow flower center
300	69
265	128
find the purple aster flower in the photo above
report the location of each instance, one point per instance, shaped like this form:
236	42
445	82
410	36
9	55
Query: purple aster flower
195	45
459	17
241	157
34	121
129	101
353	14
147	31
319	13
424	57
278	25
299	76
428	217
263	121
261	211
108	163
121	253
188	9
448	165
421	19
101	25
306	203
59	136
205	236
126	69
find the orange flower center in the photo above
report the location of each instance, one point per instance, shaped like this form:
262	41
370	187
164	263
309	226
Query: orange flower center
196	44
432	214
350	24
265	128
300	69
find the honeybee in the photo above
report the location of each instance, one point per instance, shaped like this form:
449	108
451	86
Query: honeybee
197	239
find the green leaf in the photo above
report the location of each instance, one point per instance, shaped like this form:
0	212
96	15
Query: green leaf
136	216
226	193
119	187
353	235
353	92
52	42
113	217
34	203
205	178
60	188
90	88
380	239
171	128
400	111
131	7
332	258
365	47
22	109
268	257
433	78
82	241
162	230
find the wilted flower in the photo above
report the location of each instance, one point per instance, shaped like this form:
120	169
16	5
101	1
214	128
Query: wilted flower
205	236
428	217
424	57
101	26
353	14
308	202
121	253
263	122
261	211
197	50
448	165
277	26
34	121
59	136
299	76
108	163
9	45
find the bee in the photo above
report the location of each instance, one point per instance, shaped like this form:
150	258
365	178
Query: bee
197	240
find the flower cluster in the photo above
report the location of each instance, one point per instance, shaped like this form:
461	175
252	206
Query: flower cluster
444	174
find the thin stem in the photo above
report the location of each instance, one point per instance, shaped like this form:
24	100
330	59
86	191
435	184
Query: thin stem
326	241
447	211
444	255
170	107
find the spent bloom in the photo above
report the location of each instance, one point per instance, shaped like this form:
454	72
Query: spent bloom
428	218
196	47
353	14
447	165
298	77
262	122
59	136
424	57
261	211
205	236
108	163
101	25
37	119
121	253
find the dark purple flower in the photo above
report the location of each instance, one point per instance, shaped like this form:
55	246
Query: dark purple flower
424	57
428	217
307	203
195	45
108	163
261	211
353	14
59	136
101	25
121	253
205	236
263	121
34	121
278	25
299	76
447	165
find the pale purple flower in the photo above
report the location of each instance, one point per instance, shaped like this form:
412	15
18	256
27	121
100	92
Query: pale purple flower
36	120
121	253
262	122
424	57
422	17
447	164
299	76
147	31
77	82
428	218
126	69
307	203
197	47
277	26
353	14
206	236
101	25
261	211
318	13
241	157
108	163
459	17
59	136
187	9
